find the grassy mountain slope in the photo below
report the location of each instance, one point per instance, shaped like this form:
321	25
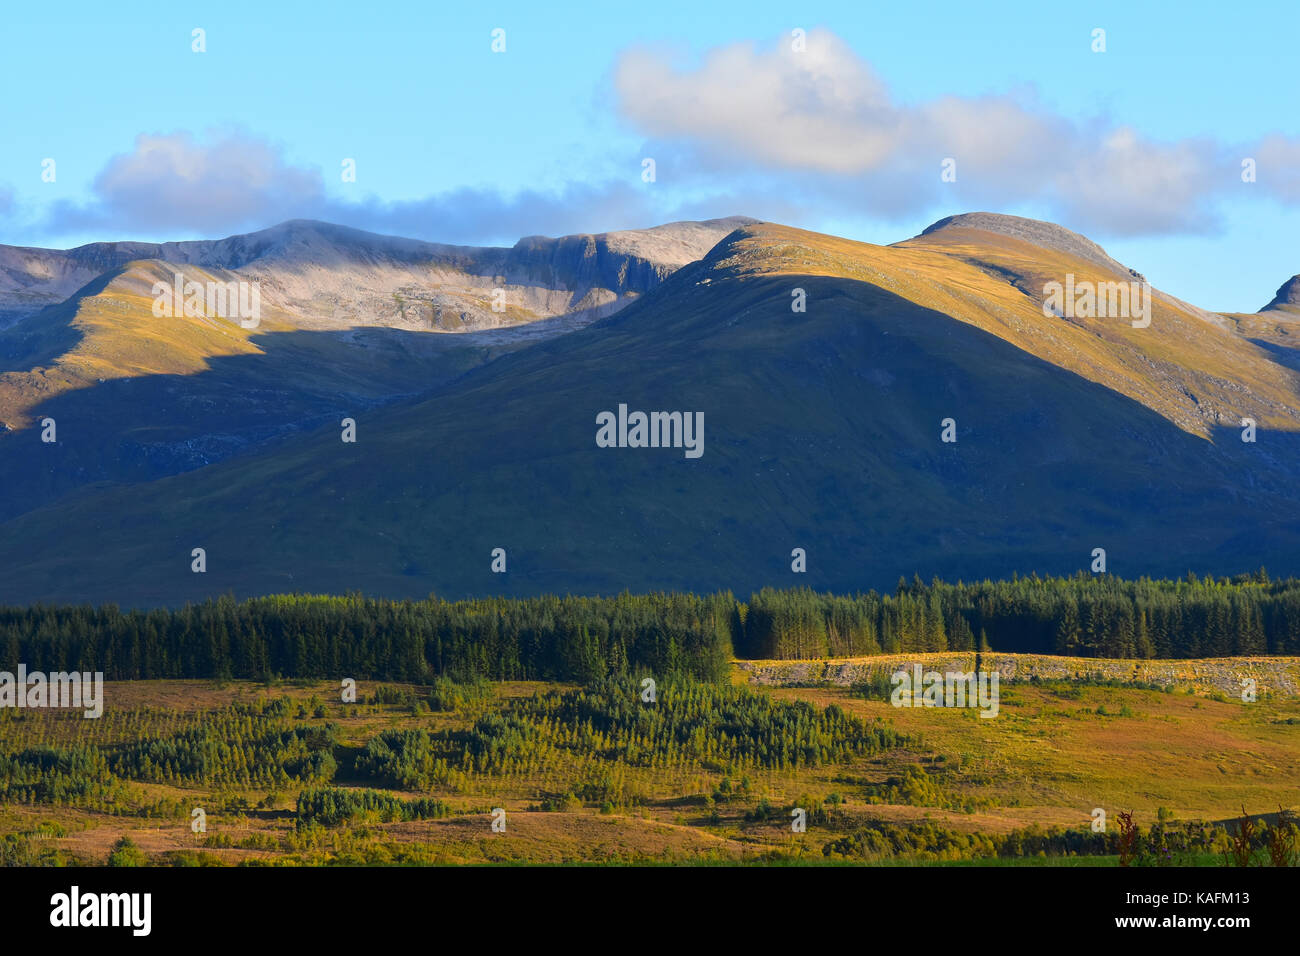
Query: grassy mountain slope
1189	365
135	396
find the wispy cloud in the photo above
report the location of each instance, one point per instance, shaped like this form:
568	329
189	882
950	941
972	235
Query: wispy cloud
179	183
486	215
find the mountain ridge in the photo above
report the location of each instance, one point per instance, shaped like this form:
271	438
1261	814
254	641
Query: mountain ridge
32	277
822	430
547	276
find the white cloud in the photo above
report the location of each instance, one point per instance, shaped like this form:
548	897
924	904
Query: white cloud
1124	185
820	110
224	183
178	183
820	123
1278	166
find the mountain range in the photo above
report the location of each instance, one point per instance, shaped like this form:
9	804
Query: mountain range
827	373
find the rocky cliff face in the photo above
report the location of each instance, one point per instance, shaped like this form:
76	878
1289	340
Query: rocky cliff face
1287	298
579	263
335	276
31	279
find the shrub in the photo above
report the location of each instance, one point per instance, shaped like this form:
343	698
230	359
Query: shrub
126	853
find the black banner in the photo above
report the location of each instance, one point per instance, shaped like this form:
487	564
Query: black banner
935	906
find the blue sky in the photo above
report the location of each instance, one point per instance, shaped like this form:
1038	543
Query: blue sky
1138	147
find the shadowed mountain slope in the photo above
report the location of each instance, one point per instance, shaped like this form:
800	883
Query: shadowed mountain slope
147	396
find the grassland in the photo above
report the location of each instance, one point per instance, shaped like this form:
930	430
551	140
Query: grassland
1058	749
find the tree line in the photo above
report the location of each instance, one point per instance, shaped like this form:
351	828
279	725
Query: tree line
588	638
330	637
1080	616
